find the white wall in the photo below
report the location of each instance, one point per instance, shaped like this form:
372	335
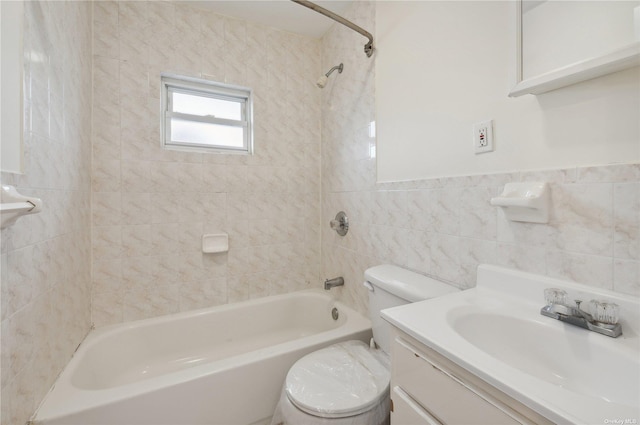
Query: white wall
443	66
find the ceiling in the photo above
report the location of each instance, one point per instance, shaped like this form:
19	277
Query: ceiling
281	14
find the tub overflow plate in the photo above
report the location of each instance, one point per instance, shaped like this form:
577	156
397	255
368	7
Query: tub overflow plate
334	313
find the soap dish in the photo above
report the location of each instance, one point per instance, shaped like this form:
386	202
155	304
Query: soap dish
528	202
214	243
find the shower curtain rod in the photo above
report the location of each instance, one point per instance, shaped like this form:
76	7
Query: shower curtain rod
368	48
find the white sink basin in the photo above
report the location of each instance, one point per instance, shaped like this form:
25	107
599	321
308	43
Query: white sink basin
565	373
566	359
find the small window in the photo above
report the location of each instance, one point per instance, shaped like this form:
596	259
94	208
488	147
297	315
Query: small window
203	115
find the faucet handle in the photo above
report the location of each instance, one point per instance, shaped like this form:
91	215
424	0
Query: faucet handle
604	312
555	296
340	224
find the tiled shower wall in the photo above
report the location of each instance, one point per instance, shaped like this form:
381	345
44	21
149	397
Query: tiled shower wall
46	263
446	227
152	206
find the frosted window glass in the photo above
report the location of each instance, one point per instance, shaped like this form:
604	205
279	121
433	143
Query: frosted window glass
206	106
191	132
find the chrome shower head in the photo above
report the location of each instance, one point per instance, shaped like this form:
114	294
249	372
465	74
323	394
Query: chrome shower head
322	81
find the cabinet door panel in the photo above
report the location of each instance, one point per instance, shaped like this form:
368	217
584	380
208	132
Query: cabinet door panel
440	392
407	412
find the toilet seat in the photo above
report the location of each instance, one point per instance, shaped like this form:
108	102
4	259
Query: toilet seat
342	380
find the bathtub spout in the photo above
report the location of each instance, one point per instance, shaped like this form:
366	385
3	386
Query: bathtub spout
330	283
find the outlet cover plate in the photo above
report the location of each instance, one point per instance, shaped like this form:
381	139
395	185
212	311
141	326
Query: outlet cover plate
483	137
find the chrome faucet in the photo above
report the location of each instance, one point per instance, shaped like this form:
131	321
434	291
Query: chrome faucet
603	319
330	283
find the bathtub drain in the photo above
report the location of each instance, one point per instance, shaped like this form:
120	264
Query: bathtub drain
334	313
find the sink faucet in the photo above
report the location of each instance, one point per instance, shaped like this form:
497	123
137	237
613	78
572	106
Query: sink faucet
606	322
330	283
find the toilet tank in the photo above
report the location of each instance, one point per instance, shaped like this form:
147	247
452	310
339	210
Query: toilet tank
391	286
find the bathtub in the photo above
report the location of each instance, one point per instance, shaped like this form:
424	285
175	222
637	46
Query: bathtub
222	365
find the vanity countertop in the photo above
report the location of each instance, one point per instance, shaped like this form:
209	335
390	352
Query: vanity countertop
565	373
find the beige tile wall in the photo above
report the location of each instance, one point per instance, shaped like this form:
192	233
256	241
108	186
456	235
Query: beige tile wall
446	227
151	206
45	257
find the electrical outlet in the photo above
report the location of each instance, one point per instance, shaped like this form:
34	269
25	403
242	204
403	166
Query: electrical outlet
483	137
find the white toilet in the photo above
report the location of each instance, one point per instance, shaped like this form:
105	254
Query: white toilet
348	383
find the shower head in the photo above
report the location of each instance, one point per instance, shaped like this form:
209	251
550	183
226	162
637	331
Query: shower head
322	81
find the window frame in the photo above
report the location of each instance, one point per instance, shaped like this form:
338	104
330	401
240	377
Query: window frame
205	88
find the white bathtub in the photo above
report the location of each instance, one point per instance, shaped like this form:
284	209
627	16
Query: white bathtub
223	365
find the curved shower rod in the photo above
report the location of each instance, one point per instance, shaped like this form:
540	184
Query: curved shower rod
368	48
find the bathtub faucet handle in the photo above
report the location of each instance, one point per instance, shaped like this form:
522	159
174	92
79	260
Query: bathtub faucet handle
340	224
330	283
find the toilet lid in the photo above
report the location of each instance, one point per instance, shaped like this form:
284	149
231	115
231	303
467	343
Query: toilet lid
342	380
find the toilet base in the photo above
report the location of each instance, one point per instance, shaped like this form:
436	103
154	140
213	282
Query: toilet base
288	414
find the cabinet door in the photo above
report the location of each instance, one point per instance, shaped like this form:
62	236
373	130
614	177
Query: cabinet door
441	393
407	412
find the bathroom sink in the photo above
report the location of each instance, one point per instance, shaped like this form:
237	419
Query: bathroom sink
565	373
560	356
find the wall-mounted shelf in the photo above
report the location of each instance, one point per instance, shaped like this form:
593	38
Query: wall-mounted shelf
13	205
528	202
618	60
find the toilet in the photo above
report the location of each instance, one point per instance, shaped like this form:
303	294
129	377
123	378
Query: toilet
348	383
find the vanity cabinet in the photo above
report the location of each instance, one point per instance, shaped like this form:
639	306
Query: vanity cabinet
427	388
